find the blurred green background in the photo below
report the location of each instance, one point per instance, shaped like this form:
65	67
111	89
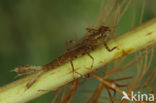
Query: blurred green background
34	31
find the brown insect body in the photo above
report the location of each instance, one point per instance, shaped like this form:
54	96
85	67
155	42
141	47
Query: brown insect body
81	47
84	46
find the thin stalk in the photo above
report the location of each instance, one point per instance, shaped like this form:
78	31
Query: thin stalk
129	42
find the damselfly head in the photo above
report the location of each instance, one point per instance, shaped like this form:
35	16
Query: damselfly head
99	34
103	31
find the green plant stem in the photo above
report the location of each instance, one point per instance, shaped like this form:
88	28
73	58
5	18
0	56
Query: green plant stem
129	42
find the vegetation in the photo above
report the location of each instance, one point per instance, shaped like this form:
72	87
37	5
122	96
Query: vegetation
118	74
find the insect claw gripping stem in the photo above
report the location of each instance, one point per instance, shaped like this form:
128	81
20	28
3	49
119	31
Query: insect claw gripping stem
92	59
108	49
71	62
72	68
